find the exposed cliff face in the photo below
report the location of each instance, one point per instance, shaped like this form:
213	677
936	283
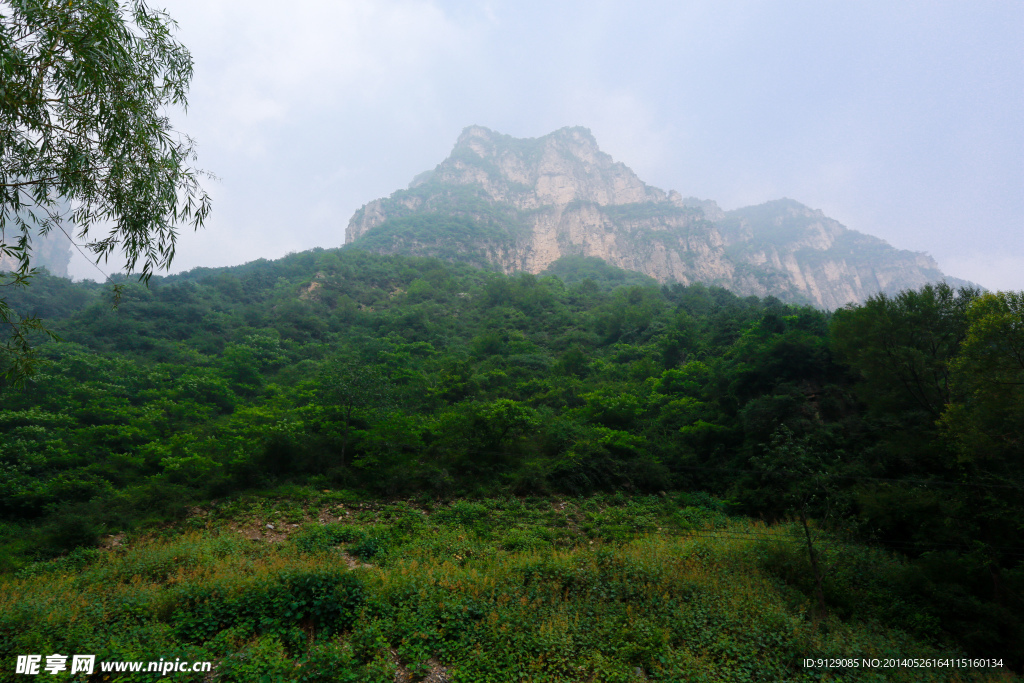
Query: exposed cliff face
523	204
52	251
815	257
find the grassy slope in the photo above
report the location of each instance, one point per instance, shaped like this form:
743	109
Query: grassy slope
606	588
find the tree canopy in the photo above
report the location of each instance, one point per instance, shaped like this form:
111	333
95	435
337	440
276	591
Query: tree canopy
86	142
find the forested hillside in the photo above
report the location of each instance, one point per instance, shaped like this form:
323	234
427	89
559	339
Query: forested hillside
883	442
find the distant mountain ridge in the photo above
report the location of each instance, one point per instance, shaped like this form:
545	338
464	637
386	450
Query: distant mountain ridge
522	204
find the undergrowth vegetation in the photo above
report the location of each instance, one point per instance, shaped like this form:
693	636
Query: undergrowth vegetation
599	588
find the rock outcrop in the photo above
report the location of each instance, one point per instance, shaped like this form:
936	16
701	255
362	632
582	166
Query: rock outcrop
521	204
51	251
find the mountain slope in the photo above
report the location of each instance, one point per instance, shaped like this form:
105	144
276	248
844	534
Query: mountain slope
521	204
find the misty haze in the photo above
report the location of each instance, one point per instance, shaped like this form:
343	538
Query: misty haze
423	341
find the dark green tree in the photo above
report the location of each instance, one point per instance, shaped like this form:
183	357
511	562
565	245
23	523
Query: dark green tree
349	390
986	423
902	346
803	480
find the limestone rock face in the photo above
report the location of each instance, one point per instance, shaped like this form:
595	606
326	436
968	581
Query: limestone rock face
51	251
521	204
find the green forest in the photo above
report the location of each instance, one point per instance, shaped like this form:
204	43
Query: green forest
343	466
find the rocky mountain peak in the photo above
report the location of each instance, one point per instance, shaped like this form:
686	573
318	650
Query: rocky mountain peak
555	169
521	204
578	140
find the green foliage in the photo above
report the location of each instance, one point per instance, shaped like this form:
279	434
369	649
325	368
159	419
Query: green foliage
83	119
576	270
18	360
490	590
798	476
440	235
910	338
322	539
411	378
321	602
988	421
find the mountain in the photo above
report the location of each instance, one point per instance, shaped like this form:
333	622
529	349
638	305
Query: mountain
51	251
522	204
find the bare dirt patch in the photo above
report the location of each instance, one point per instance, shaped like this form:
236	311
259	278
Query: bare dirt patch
437	673
112	541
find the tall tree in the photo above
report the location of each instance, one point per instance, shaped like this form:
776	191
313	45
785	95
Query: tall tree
85	140
348	391
902	346
802	479
986	424
988	421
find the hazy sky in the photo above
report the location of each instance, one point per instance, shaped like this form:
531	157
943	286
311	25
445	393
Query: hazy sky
903	120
